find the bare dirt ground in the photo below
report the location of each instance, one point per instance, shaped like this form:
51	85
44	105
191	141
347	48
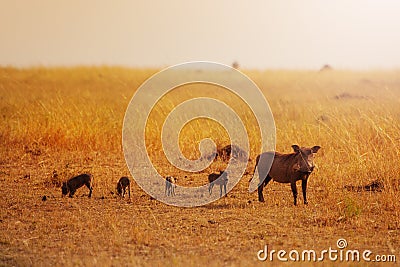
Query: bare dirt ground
107	230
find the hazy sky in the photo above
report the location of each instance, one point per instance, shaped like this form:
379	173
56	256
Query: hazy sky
359	34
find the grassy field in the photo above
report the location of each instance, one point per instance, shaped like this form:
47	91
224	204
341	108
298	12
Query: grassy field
59	122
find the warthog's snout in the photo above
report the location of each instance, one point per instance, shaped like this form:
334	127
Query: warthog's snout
311	169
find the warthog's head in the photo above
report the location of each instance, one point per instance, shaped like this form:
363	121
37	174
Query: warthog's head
64	189
305	158
172	180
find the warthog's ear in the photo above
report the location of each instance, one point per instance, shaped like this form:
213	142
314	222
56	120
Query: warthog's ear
315	149
296	148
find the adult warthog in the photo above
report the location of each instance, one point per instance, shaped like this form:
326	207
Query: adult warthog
286	168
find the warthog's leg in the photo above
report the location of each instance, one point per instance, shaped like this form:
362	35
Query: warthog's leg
294	190
168	186
261	187
88	185
225	189
129	190
210	187
172	190
71	193
220	189
304	189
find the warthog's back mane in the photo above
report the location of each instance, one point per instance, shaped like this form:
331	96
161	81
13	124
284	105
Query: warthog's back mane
285	157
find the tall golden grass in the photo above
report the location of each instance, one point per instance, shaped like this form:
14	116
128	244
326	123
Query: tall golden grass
354	116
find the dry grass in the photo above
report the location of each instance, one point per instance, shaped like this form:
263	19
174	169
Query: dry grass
69	121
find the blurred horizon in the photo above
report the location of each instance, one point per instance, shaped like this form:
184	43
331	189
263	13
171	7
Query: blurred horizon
349	35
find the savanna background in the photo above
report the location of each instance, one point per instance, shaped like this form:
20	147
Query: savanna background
68	71
71	123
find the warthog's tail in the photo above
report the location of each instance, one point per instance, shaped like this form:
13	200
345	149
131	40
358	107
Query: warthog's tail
253	177
254	171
